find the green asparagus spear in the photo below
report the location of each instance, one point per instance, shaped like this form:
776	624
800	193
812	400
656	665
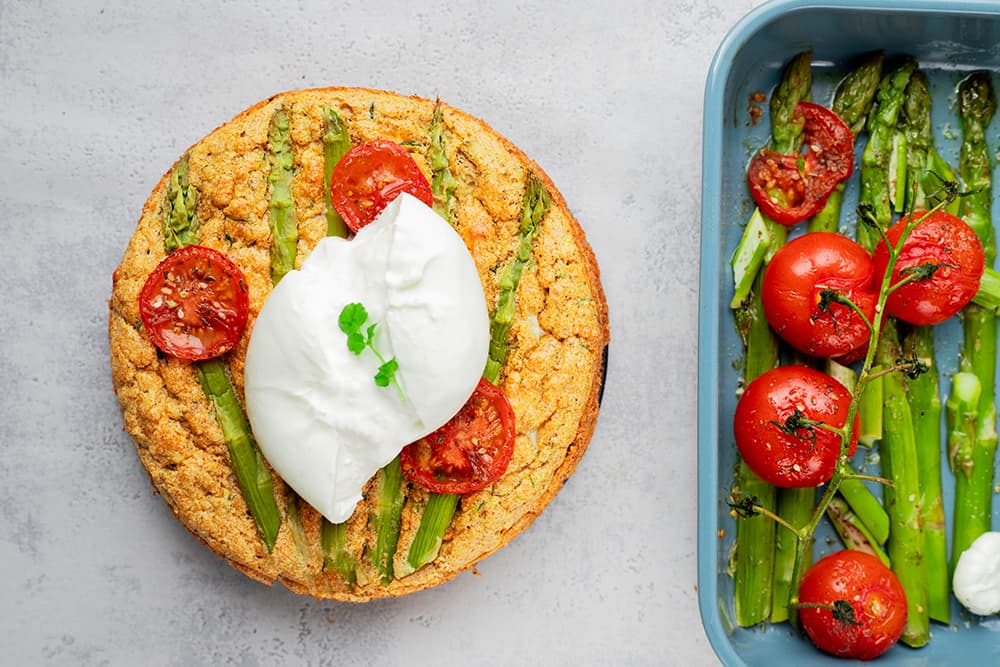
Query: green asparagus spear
336	142
443	184
899	464
962	409
336	553
881	126
441	507
755	539
866	507
852	530
293	519
925	405
898	445
180	214
534	207
796	507
974	488
937	173
795	86
386	518
915	119
754	572
852	101
180	228
924	390
434	520
252	474
284	227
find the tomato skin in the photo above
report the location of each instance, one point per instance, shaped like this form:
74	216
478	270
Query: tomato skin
784	459
789	188
873	591
792	288
194	305
941	238
369	176
470	451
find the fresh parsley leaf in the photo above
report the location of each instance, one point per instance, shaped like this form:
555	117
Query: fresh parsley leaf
352	318
356	343
386	373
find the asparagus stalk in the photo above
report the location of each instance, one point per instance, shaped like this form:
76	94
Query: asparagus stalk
902	498
386	518
898	445
963	414
336	553
534	207
852	101
434	520
988	295
284	227
252	474
754	567
924	390
180	228
853	532
866	507
875	159
925	404
796	507
443	183
870	412
938	172
973	492
441	507
754	557
180	214
336	142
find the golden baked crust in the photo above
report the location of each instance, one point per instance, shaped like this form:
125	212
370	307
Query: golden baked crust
552	377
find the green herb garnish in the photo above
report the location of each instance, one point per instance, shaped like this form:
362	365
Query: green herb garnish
351	321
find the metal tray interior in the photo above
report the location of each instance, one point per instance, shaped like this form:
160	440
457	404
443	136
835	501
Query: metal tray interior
948	39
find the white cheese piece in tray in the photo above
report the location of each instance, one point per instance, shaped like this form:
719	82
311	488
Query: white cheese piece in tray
976	581
316	412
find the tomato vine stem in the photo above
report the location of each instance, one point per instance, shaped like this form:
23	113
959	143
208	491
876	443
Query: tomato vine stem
841	473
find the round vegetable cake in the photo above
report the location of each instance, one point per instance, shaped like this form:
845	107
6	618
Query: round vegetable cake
552	373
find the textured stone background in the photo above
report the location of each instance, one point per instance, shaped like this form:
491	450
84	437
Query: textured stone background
101	97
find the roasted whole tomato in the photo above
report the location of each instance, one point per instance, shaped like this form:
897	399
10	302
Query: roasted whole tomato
799	289
792	187
194	304
861	608
778	426
470	451
942	240
369	176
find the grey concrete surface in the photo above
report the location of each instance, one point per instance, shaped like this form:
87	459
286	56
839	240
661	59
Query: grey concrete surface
99	98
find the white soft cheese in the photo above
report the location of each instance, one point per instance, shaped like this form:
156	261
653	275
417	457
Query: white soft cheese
318	416
977	575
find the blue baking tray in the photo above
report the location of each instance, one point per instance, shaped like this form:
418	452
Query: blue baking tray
948	39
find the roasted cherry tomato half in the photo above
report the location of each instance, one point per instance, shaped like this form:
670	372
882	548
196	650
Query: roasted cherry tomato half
792	187
473	449
868	605
370	176
778	426
801	287
942	240
194	304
